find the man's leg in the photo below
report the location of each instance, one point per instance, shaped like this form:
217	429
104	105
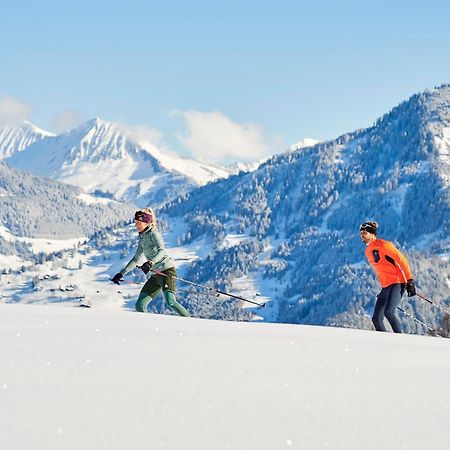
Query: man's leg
393	300
378	313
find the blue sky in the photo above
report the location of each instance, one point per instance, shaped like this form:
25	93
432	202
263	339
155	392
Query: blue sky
255	75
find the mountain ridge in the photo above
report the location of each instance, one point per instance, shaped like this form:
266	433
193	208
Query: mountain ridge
104	157
16	137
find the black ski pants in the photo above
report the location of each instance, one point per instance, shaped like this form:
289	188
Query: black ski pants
387	301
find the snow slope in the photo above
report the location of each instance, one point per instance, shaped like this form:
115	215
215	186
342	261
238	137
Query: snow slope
16	137
300	212
74	378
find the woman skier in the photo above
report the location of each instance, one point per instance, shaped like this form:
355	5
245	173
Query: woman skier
150	254
393	272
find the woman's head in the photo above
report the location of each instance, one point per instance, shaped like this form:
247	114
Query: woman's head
144	218
368	231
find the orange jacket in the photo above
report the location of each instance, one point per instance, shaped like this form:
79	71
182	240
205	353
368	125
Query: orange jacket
389	263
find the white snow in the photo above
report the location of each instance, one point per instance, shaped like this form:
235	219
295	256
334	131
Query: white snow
304	143
232	240
44	245
17	136
73	378
443	147
10	262
90	199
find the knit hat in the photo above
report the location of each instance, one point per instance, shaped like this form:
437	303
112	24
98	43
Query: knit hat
143	216
371	227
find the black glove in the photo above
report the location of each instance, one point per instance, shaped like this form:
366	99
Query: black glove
116	278
411	288
146	267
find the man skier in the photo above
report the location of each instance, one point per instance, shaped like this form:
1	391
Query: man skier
393	272
152	254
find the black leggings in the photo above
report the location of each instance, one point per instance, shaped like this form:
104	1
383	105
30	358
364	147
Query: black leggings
387	301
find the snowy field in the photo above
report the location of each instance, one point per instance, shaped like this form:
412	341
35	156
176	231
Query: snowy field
77	378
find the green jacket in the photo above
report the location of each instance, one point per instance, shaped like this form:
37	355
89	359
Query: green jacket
150	248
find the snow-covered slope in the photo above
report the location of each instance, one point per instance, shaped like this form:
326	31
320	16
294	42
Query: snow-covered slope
40	217
105	158
38	207
16	137
304	143
75	378
76	269
289	230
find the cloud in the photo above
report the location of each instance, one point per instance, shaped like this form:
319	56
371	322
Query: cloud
144	134
12	110
214	136
66	120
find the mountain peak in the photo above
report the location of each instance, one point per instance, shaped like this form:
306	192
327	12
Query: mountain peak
96	123
15	137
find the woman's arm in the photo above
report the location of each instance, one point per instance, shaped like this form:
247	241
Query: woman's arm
137	259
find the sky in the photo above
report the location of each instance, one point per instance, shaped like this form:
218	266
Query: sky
204	77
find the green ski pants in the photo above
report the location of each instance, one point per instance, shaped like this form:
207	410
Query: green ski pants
154	285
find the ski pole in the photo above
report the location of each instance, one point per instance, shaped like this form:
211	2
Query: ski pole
187	291
262	305
421	296
433	330
433	303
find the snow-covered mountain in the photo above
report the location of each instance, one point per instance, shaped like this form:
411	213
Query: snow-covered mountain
289	230
16	137
41	216
287	233
106	159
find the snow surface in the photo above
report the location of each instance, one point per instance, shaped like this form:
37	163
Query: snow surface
304	143
90	199
74	378
443	146
16	137
44	245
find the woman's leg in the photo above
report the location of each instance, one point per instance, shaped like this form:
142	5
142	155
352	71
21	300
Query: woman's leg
147	294
169	288
393	300
174	305
378	313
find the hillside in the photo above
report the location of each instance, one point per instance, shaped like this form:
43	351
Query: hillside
289	230
287	233
77	378
39	216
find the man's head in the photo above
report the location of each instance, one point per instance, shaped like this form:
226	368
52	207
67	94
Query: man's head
368	232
